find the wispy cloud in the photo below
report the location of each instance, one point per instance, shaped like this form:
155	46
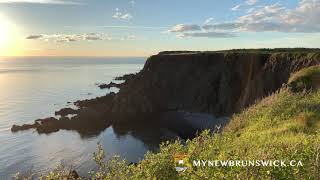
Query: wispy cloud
251	2
70	37
304	18
59	2
193	30
121	15
86	37
275	17
222	26
209	20
185	27
135	27
247	3
236	8
207	34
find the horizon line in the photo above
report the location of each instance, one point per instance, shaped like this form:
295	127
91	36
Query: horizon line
77	56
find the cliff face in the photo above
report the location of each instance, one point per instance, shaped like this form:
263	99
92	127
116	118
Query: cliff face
218	82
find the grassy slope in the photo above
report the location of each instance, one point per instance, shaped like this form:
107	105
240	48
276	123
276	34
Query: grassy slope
308	78
283	126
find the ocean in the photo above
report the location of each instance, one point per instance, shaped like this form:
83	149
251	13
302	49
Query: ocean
36	87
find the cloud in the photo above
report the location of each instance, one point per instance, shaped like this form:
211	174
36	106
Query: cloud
236	8
34	37
245	4
267	13
251	2
185	27
92	37
193	30
277	18
306	14
122	16
126	16
136	27
222	26
209	20
62	38
206	34
304	18
58	2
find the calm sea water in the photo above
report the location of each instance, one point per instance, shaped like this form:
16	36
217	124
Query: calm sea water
32	88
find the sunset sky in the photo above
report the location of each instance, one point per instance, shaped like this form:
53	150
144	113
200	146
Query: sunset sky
145	27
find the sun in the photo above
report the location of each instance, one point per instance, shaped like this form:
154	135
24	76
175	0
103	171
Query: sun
8	37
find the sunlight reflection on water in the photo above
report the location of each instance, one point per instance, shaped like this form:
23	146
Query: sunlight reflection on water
32	88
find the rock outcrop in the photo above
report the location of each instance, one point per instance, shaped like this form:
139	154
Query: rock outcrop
110	85
125	77
66	111
217	83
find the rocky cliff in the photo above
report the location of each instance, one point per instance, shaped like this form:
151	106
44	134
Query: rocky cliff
215	82
177	90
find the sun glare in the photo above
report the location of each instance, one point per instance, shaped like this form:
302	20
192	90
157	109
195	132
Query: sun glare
4	32
8	37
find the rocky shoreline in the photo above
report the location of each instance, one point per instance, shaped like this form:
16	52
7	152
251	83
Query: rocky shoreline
173	84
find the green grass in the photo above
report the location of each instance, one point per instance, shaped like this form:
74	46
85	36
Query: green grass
283	126
308	78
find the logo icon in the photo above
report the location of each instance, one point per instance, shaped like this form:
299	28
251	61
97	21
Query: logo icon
181	162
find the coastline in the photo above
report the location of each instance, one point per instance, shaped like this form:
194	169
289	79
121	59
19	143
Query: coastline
218	83
133	107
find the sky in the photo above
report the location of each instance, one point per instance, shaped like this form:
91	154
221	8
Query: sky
145	27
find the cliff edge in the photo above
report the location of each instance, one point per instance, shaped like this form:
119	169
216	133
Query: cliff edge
220	83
